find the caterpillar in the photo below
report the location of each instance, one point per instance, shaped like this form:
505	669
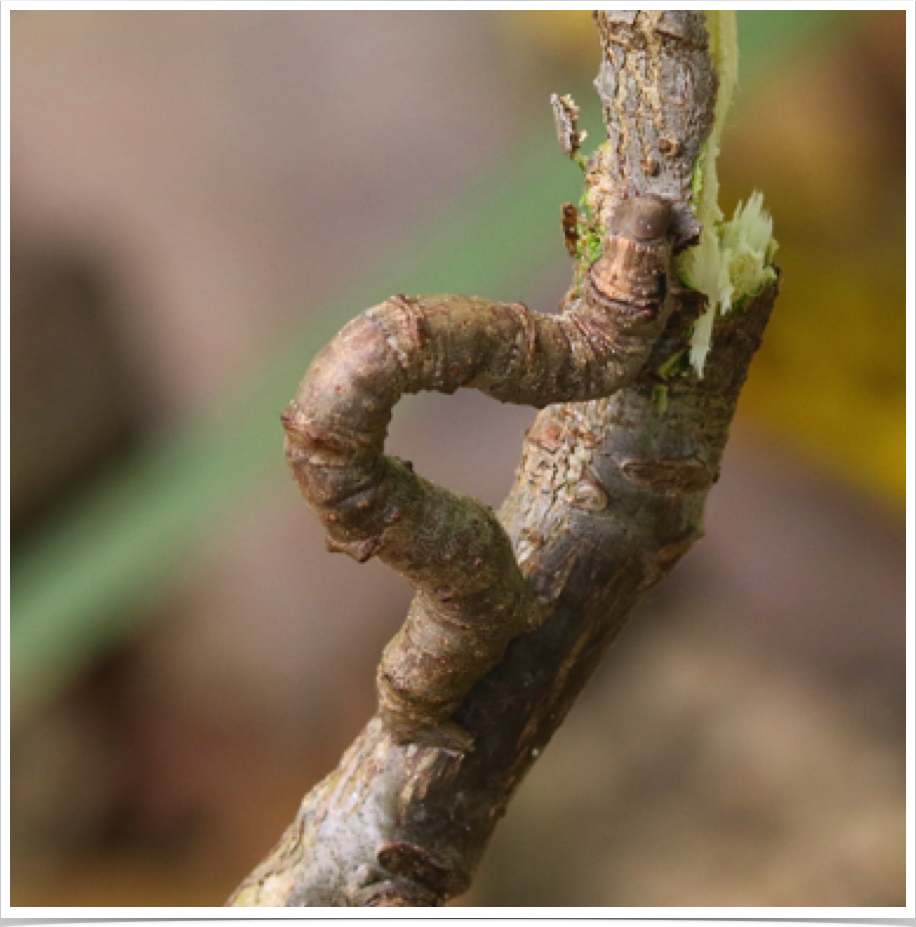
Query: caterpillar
472	598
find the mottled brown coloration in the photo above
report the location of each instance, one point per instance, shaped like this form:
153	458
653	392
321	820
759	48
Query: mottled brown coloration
473	598
570	217
566	120
636	274
669	476
420	865
609	495
658	90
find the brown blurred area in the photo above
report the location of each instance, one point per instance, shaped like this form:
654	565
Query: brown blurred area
183	184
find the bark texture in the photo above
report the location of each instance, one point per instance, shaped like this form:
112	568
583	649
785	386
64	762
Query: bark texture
515	611
473	599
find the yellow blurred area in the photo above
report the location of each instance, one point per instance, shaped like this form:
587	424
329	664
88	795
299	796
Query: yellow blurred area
833	379
825	141
826	147
565	34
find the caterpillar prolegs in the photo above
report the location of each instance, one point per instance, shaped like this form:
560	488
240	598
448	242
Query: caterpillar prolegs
472	598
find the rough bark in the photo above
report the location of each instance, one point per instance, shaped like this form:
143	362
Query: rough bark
608	497
473	599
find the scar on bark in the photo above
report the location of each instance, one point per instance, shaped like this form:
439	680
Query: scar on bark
472	597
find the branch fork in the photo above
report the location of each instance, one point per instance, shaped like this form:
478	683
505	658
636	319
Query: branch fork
515	610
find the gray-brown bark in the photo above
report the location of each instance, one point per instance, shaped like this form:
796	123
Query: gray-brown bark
609	495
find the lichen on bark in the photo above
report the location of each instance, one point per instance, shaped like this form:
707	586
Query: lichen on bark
515	610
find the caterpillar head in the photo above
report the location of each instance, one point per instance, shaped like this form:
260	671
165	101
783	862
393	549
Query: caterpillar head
634	266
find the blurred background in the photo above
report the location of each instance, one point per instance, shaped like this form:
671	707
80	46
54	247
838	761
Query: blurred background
199	201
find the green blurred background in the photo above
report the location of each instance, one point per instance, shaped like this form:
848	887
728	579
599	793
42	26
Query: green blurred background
199	201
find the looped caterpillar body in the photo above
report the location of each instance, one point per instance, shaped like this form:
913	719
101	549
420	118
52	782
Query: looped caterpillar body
472	597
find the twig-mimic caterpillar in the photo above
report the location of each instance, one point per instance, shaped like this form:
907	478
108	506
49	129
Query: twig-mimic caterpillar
472	598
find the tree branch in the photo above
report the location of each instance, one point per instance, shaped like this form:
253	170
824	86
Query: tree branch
513	614
473	598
